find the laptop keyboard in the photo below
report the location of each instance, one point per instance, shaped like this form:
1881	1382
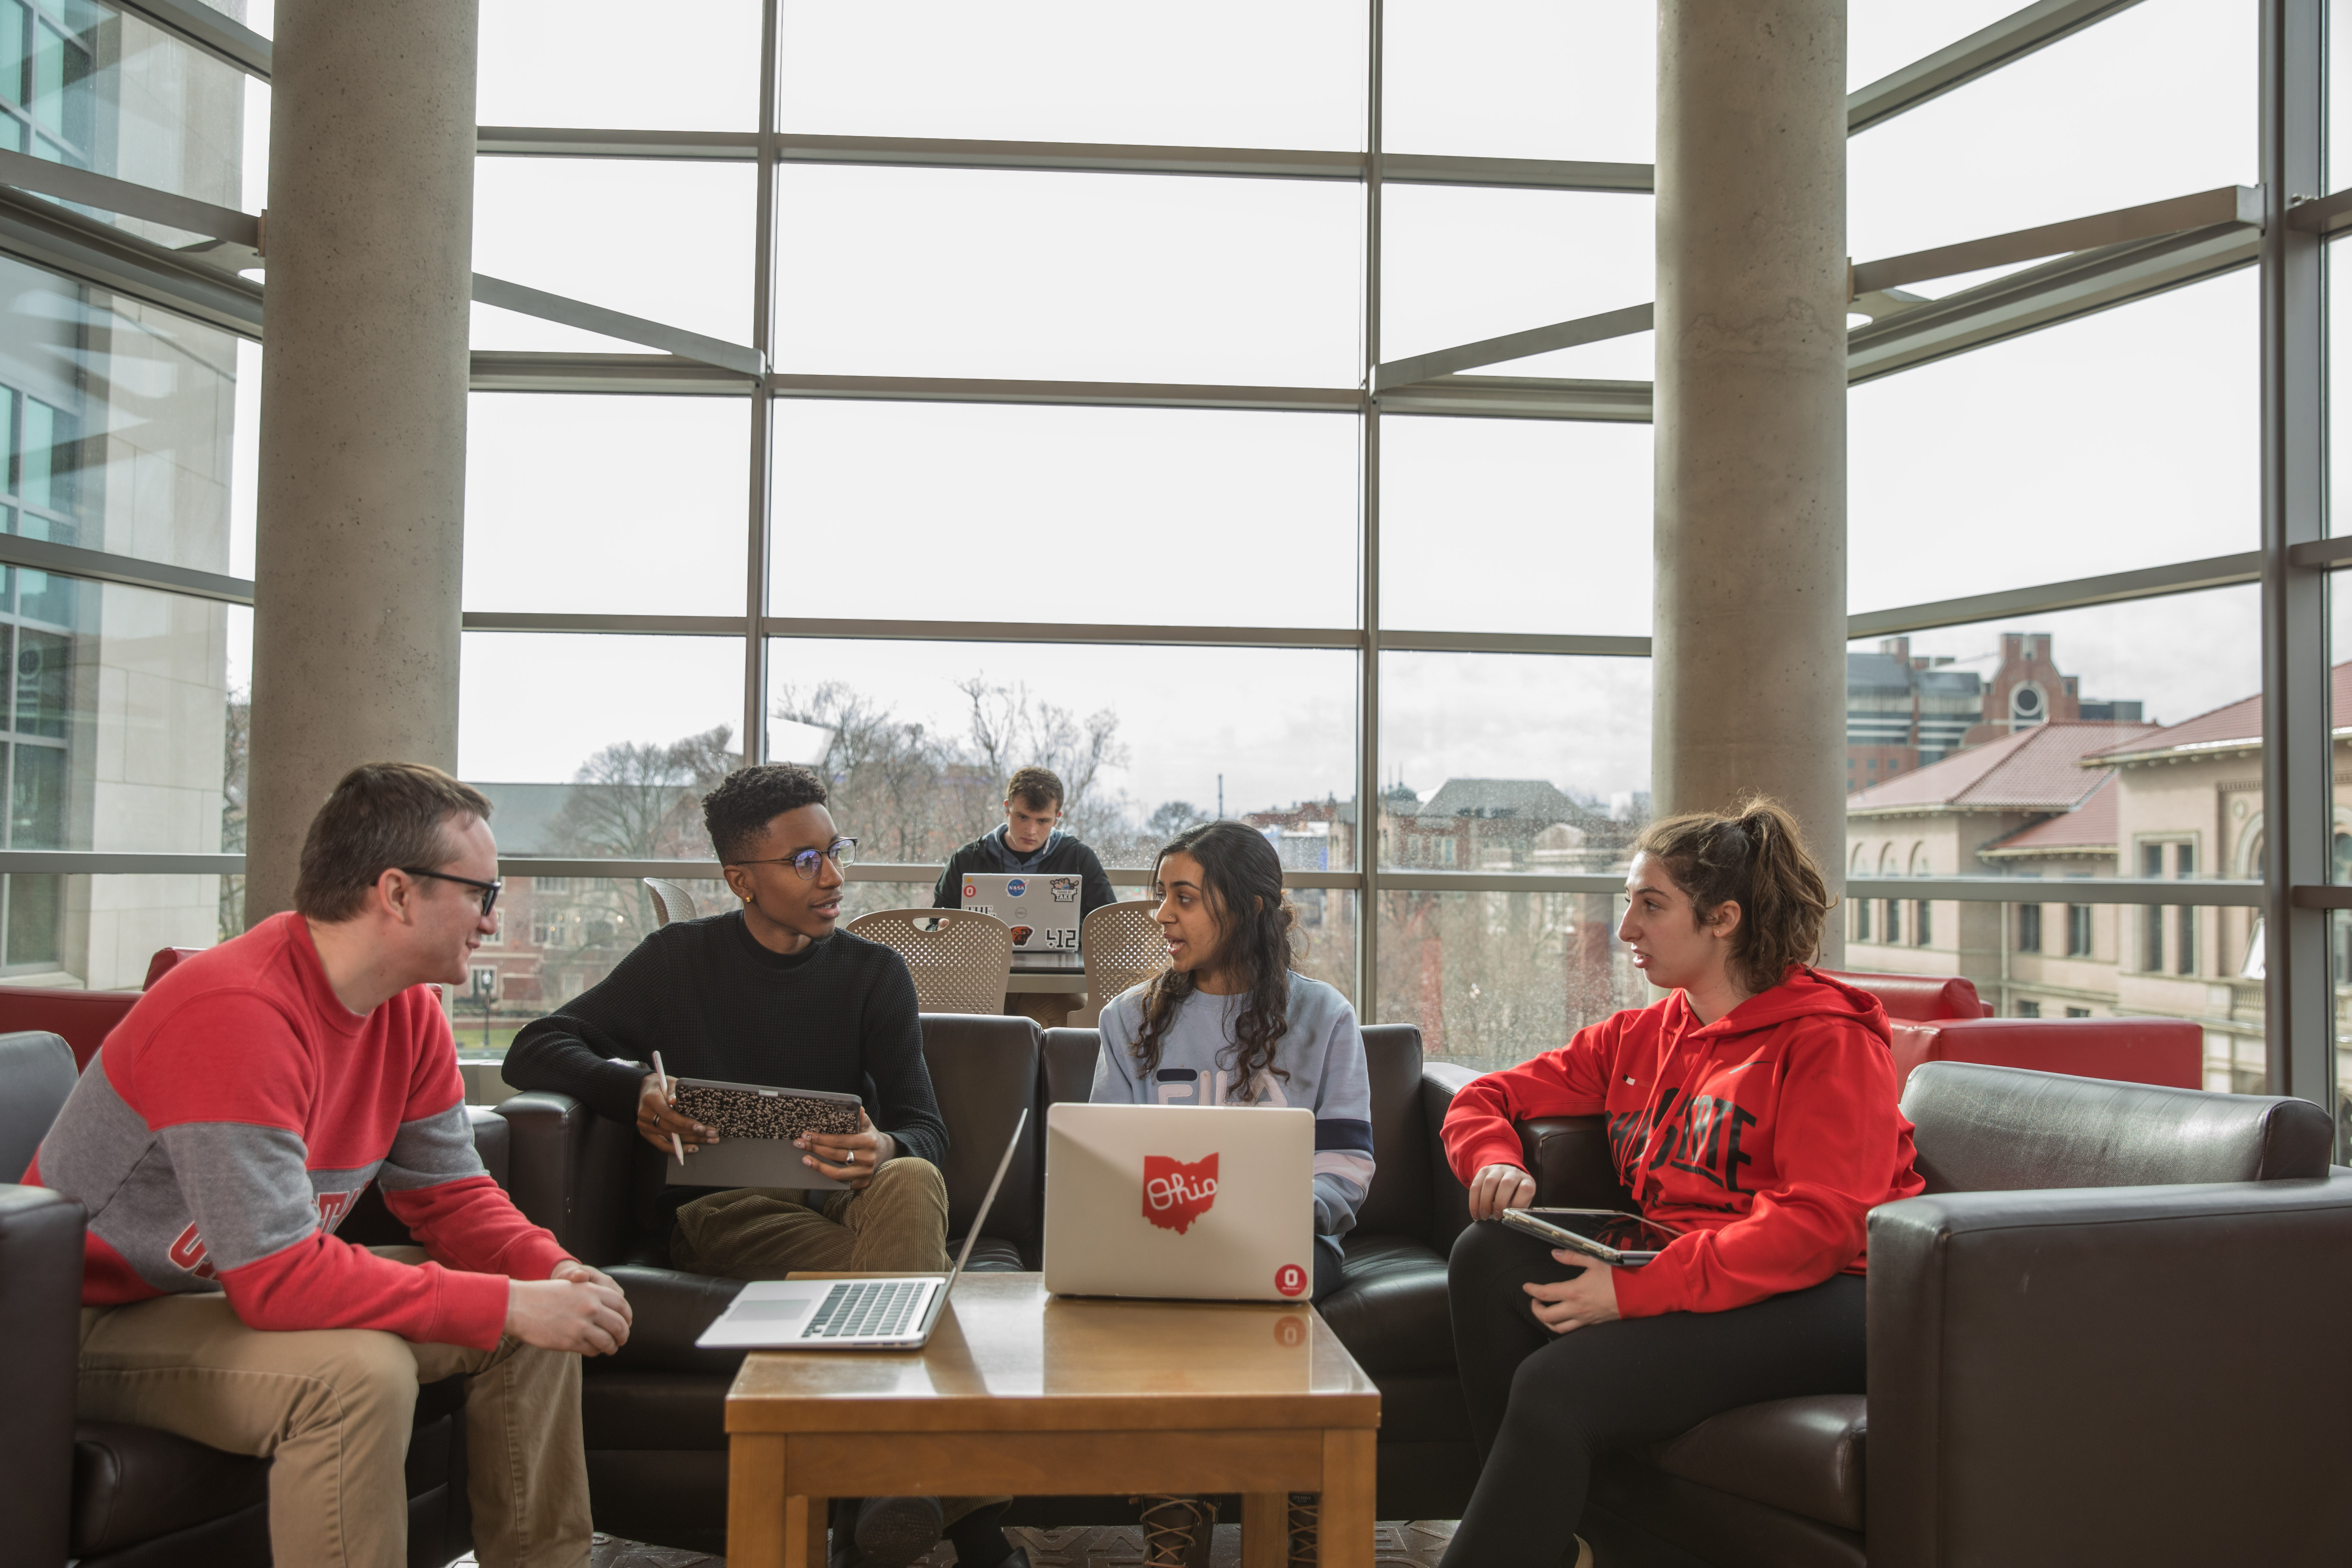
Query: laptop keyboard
861	1308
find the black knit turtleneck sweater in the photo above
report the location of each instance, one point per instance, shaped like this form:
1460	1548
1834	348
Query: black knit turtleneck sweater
840	1015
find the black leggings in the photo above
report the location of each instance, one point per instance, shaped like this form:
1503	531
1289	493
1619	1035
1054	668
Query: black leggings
1544	1406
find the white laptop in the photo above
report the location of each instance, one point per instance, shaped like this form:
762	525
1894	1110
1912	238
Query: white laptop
849	1314
1213	1203
1042	910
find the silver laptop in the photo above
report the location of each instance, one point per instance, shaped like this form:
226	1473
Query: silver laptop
1213	1203
1042	910
849	1314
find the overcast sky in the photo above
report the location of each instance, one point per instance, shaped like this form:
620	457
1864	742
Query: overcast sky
2127	440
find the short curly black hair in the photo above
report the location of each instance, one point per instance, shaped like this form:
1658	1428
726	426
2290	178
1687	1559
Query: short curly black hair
747	800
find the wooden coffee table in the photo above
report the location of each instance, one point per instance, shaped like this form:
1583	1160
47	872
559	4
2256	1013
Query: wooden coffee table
1024	1393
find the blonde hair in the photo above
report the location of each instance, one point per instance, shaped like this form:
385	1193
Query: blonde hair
1755	857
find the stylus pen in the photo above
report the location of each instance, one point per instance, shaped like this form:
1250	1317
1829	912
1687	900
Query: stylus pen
662	1078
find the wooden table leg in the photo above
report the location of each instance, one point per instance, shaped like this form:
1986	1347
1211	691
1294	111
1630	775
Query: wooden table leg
1265	1529
755	1500
1344	1538
805	1521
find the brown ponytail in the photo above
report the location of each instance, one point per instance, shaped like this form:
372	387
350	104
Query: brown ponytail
1756	858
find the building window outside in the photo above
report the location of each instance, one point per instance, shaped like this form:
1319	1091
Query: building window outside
46	84
2078	930
1862	920
1894	923
1922	925
2184	938
2029	928
2151	919
2078	1012
2029	1009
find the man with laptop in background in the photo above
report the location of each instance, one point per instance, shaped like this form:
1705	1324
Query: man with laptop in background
1028	842
1027	845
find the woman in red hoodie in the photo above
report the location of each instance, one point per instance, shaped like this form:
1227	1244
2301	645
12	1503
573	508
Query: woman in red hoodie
1753	1110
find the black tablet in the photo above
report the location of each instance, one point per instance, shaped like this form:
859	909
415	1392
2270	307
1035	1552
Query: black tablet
1623	1240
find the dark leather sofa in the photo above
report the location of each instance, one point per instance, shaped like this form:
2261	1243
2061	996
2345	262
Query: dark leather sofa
655	1414
2110	1331
117	1495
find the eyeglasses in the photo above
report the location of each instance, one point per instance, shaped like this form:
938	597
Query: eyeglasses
490	890
841	852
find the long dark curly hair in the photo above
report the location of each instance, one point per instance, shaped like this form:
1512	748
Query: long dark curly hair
1241	880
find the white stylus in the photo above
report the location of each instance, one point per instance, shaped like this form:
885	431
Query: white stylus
661	1080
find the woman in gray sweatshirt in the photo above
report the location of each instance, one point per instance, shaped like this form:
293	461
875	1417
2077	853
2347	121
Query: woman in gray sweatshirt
1229	1022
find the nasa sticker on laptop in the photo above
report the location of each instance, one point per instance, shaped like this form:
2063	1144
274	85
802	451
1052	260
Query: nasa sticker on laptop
1015	887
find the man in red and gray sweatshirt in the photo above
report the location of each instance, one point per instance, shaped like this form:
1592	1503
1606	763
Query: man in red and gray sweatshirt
228	1126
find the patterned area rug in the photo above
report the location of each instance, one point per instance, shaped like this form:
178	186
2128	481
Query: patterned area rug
1416	1543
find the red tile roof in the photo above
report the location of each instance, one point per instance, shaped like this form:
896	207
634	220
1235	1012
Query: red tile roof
2093	825
2238	723
2032	769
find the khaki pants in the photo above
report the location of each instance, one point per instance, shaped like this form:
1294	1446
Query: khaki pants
332	1409
899	1224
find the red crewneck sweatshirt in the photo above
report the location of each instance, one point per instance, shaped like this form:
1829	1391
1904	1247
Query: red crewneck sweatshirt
1767	1135
235	1114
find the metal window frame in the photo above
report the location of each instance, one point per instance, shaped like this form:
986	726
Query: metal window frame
2109	260
2298	783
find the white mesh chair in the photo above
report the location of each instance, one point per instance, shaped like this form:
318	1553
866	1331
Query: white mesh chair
671	902
1123	946
962	960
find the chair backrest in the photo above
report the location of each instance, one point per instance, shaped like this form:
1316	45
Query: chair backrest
962	961
1925	997
1401	1197
671	902
1123	946
1992	1129
984	1074
37	1073
165	959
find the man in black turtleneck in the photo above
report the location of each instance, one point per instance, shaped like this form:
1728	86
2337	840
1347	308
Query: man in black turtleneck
773	993
1030	840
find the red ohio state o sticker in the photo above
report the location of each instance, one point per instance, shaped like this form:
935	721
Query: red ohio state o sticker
1290	1280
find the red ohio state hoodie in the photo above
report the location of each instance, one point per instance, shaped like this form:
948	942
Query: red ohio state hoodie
1767	1135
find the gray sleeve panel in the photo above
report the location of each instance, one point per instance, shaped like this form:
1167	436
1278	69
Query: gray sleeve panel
95	1145
1114	1061
246	1188
430	1150
1343	1093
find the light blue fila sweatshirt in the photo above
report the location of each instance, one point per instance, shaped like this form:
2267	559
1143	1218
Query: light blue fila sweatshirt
1323	1054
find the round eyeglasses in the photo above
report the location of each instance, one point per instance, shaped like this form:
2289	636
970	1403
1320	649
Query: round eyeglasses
841	852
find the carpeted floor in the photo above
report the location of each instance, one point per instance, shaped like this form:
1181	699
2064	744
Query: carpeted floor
1416	1543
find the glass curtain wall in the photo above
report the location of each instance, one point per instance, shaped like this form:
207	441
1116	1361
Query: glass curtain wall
1135	411
1181	485
125	474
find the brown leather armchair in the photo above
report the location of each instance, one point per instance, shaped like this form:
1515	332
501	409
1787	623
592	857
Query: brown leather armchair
2108	1333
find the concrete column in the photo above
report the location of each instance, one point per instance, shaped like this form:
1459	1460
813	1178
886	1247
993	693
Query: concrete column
1749	660
363	481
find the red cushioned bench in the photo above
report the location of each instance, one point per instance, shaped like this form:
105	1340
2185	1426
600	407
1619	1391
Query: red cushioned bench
81	1018
2168	1051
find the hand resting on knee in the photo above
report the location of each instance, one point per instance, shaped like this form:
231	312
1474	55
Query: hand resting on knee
576	1309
